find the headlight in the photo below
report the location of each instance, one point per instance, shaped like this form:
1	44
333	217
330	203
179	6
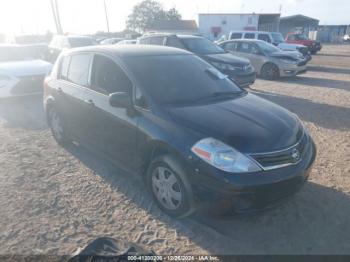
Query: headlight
223	66
289	61
223	157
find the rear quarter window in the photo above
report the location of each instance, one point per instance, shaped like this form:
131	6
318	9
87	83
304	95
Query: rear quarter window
264	37
79	67
63	72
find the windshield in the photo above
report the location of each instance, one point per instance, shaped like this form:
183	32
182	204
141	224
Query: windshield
277	37
173	79
201	46
267	48
301	37
80	41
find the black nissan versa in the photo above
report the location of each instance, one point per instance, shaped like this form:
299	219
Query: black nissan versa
238	69
195	138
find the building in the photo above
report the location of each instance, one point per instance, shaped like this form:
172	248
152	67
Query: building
299	23
213	26
175	27
332	33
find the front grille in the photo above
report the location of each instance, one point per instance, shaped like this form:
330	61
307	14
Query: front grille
28	84
289	156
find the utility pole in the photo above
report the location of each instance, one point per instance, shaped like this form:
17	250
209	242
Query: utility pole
56	16
106	14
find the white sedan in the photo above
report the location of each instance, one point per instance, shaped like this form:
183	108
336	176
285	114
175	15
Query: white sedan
20	73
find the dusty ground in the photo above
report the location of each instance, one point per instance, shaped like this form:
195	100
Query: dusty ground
54	199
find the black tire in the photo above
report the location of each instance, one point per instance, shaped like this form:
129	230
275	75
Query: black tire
60	136
313	52
186	206
270	71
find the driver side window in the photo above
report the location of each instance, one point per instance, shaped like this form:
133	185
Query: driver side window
107	77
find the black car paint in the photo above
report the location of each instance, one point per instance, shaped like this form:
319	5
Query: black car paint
131	137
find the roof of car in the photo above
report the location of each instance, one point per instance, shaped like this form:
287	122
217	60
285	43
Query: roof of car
243	40
130	50
169	34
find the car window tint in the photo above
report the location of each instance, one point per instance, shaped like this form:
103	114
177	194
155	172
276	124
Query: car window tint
64	68
108	77
144	41
236	36
264	37
291	37
230	46
157	40
249	36
174	42
140	99
243	47
79	69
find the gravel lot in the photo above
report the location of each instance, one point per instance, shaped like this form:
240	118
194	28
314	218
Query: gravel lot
55	199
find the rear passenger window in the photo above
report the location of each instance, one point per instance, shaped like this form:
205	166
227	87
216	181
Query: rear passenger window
63	74
157	40
244	47
79	69
236	36
144	41
229	46
174	42
249	36
264	37
107	77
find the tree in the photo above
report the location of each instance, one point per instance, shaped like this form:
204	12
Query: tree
147	12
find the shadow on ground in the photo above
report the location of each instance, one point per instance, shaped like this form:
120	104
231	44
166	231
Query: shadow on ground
315	221
326	69
324	115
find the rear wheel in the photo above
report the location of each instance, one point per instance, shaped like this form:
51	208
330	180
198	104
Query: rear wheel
270	71
313	52
169	186
57	126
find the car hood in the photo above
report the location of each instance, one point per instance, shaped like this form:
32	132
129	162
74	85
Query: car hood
287	46
227	58
288	54
249	123
26	68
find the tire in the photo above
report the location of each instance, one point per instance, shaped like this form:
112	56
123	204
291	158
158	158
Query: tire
169	186
57	126
314	52
270	71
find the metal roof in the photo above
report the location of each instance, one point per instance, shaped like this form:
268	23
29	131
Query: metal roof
298	17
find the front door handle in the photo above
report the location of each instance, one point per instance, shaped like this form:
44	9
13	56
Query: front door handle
89	101
59	90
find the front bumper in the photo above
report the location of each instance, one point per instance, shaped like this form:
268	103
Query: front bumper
292	70
250	192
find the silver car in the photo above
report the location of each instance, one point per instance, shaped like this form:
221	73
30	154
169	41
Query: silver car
269	61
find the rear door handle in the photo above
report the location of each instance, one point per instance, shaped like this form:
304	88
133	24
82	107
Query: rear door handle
89	101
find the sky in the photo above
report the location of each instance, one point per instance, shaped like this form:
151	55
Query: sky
87	16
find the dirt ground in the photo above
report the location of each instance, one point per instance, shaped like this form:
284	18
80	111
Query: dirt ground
54	199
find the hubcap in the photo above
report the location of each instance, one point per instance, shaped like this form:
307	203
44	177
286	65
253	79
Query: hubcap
56	125
166	188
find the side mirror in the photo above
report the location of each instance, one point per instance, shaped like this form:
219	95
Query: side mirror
121	99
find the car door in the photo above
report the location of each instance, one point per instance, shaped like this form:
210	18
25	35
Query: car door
112	130
73	80
250	51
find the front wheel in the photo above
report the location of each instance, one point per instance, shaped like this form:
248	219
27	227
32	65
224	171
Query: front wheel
169	186
57	127
270	71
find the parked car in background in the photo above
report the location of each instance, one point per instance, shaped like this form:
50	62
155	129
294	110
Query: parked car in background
268	60
21	72
111	41
62	42
274	38
346	38
237	68
298	38
171	117
127	42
